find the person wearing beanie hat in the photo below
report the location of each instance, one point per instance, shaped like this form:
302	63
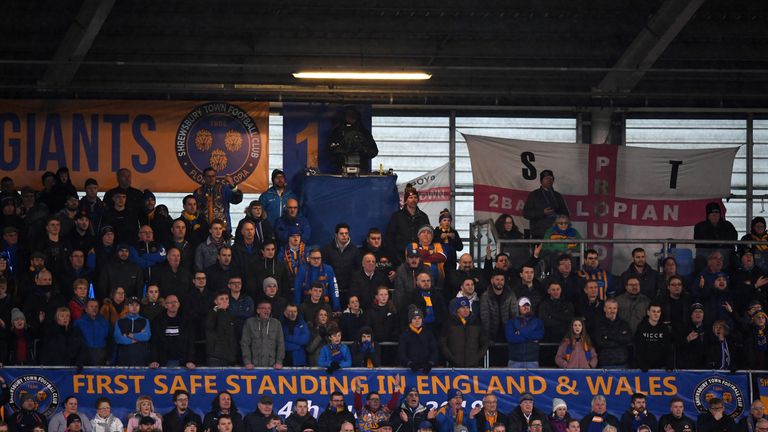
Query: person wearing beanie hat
559	418
452	416
543	205
463	342
74	424
714	227
25	418
448	237
527	414
274	200
271	293
756	342
432	253
758	234
417	348
404	223
691	341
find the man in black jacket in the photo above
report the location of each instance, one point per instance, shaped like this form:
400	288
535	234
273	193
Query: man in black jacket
257	420
172	342
404	223
335	414
521	417
676	420
411	414
177	419
343	256
26	419
543	205
715	420
300	419
611	338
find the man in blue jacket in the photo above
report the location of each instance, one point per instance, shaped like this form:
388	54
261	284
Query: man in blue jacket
316	271
276	197
95	330
523	334
296	336
132	334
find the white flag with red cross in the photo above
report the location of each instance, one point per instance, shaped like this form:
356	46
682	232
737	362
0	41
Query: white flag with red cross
612	192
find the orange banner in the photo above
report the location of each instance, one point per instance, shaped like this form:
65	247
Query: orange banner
166	144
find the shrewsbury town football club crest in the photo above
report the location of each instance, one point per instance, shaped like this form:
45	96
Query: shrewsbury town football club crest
220	135
46	394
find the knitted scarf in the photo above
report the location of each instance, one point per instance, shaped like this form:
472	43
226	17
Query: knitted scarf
335	352
572	345
294	258
429	313
414	329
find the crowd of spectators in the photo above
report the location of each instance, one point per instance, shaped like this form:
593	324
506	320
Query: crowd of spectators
119	281
403	412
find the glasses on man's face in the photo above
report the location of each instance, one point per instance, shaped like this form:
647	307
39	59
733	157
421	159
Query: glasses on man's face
199	277
535	425
292	208
315	258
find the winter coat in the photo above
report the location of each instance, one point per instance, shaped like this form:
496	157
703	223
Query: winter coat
130	353
633	309
537	201
463	344
61	346
384	323
417	348
402	228
220	340
309	274
344	262
262	343
326	357
651	282
173	422
273	203
330	420
405	284
109	424
605	418
518	423
172	339
611	339
297	423
365	287
120	273
707	423
691	354
572	356
296	337
682	424
447	421
495	311
415	415
524	335
284	224
630	421
556	316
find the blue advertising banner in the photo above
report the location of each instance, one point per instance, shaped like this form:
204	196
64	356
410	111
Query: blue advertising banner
366	202
122	386
306	128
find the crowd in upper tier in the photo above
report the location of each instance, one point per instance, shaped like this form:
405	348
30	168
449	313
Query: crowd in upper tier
117	280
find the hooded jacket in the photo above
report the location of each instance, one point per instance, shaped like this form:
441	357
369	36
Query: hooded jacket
262	343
